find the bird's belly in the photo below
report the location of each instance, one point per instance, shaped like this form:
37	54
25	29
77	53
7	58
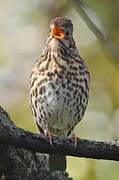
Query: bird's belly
59	106
56	104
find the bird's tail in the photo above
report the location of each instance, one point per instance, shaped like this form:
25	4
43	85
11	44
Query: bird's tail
56	162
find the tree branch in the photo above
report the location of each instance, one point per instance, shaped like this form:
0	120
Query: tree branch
19	138
104	38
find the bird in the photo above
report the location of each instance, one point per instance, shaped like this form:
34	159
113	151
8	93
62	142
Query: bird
59	87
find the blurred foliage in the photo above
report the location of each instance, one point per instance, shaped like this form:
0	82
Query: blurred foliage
24	28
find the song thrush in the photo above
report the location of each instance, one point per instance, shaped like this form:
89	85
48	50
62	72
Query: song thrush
59	86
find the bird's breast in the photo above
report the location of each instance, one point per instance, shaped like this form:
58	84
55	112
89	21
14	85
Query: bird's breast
56	102
59	91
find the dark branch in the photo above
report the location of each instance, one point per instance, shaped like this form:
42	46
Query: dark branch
104	37
19	138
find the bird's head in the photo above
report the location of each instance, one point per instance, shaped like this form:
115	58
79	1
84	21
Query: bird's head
61	30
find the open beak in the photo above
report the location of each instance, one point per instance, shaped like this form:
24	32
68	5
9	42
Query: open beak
57	32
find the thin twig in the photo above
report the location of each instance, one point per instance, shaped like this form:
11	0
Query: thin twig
104	38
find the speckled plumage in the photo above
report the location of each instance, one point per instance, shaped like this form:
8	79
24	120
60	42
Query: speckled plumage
59	84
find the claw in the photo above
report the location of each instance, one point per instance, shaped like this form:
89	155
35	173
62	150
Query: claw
75	139
49	134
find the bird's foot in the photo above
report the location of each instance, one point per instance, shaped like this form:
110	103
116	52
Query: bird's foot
50	135
75	139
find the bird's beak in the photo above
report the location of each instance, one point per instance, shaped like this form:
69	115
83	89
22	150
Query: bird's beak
57	32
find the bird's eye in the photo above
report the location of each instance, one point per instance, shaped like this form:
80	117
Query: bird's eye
67	33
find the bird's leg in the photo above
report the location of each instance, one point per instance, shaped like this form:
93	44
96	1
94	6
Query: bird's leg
49	134
74	138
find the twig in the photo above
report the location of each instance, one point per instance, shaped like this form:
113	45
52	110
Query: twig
104	38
